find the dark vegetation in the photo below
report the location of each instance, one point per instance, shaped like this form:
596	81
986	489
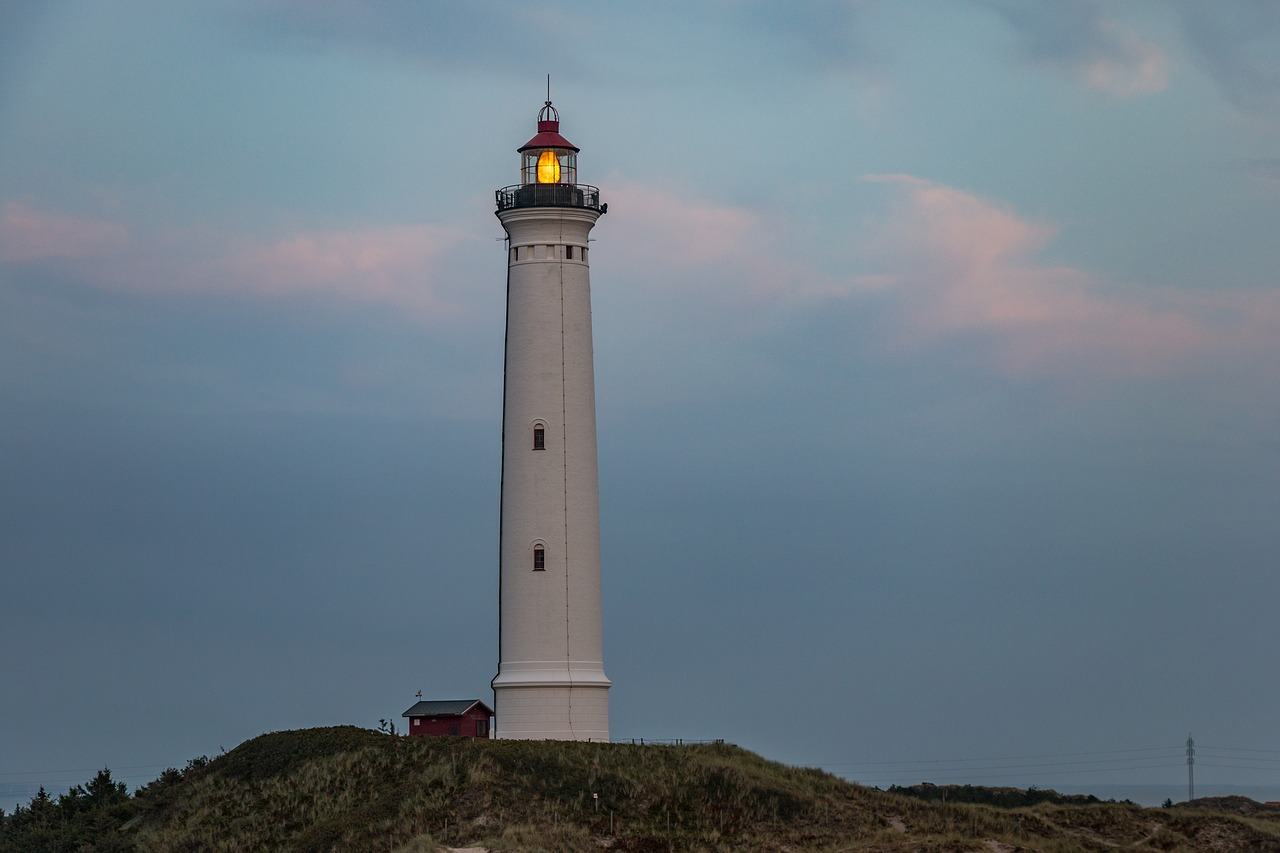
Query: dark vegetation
88	817
346	789
1005	798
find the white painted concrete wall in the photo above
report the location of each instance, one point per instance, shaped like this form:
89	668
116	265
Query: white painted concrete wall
551	682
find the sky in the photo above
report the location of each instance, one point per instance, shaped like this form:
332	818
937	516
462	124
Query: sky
937	351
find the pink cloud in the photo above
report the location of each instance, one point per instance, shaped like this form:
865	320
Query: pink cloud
962	228
28	234
964	265
729	253
1135	67
942	265
399	264
390	262
683	229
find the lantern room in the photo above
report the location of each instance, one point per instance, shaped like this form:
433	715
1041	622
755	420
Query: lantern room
549	171
548	158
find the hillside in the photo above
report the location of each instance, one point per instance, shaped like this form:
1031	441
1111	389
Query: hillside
345	789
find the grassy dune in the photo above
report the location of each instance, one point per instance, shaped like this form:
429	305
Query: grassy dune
353	789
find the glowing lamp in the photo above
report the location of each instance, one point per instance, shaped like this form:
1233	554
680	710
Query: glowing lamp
548	167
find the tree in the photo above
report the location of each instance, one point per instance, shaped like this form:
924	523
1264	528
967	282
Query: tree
87	817
104	792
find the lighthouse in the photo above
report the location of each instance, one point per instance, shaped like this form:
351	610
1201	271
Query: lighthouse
550	683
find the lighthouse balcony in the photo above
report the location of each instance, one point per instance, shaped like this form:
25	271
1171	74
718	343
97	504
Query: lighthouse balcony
549	195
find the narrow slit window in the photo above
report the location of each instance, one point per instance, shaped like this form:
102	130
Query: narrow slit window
539	438
539	559
568	253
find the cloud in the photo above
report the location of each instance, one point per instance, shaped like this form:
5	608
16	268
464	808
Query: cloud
1133	67
1236	43
679	228
438	35
393	263
942	266
403	265
966	268
1075	37
728	253
28	234
825	34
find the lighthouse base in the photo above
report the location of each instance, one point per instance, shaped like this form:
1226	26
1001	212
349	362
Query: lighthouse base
552	706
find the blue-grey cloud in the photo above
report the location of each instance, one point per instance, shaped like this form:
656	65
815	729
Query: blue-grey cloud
1238	41
828	34
483	38
1078	37
438	33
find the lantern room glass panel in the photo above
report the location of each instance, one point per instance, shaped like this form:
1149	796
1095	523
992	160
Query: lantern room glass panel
549	166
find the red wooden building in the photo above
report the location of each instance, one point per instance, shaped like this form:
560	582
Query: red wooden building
460	717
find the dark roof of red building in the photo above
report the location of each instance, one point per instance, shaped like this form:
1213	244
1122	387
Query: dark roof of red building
445	708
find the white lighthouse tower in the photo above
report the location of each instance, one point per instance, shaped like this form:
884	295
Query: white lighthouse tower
550	682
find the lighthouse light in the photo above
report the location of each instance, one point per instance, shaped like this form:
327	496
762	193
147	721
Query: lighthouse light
548	167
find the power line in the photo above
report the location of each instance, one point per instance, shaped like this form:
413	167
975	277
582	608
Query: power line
88	770
19	785
1202	754
1094	763
1043	769
1006	758
1242	749
1050	772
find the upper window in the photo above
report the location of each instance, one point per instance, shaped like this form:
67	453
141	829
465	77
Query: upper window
539	559
539	438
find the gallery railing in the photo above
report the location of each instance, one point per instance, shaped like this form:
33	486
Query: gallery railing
549	195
